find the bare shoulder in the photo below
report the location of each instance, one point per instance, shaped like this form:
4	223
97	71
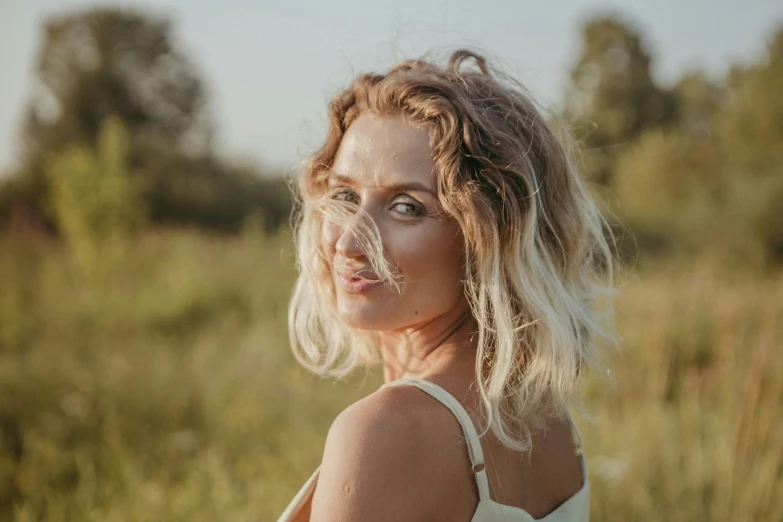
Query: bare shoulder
382	461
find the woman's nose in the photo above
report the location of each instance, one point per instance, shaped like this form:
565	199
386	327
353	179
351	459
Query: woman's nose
347	244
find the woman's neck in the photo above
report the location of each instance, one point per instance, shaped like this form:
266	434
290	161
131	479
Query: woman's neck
446	344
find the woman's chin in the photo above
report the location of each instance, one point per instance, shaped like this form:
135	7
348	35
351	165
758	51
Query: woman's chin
363	316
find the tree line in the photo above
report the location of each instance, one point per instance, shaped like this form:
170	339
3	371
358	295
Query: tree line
695	168
118	133
120	72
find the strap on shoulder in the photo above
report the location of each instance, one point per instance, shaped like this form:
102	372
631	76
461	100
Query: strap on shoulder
474	445
575	432
578	443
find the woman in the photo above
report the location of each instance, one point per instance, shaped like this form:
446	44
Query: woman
445	233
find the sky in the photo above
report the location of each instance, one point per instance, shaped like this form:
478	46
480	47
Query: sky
270	67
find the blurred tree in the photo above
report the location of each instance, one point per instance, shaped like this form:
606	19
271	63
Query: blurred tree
750	128
668	181
751	125
112	62
612	94
208	193
714	182
698	101
99	63
668	190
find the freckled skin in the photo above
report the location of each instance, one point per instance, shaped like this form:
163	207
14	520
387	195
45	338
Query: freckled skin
377	152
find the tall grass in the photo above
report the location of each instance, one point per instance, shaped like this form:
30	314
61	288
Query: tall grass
694	428
162	388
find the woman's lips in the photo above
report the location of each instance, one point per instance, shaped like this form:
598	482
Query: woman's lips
354	284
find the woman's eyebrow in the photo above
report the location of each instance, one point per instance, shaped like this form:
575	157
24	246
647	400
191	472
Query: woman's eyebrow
412	187
405	187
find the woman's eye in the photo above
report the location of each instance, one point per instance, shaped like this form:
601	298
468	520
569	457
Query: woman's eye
409	208
345	195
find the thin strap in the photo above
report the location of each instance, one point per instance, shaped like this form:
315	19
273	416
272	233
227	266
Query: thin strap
574	432
474	446
578	443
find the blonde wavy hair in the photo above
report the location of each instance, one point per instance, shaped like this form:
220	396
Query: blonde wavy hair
537	247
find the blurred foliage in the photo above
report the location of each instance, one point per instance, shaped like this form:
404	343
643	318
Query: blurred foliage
613	98
166	390
692	430
206	193
105	62
114	62
696	170
161	391
666	188
698	101
751	123
93	196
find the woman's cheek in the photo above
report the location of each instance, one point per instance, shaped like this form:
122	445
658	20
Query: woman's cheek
418	250
405	247
329	235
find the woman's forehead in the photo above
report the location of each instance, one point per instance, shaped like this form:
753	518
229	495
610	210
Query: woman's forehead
385	150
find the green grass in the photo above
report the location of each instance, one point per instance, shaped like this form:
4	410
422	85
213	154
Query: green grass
163	388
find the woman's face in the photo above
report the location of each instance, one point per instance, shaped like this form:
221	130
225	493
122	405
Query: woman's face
384	166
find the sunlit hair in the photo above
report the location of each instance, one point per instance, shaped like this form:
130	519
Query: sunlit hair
537	247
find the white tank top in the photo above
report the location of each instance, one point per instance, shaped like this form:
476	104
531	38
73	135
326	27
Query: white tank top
575	509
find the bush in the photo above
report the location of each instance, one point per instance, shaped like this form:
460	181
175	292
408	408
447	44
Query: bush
95	202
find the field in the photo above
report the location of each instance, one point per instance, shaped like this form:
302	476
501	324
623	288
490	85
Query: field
161	387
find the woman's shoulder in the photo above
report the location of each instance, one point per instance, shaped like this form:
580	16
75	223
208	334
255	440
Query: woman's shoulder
395	413
397	420
386	451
